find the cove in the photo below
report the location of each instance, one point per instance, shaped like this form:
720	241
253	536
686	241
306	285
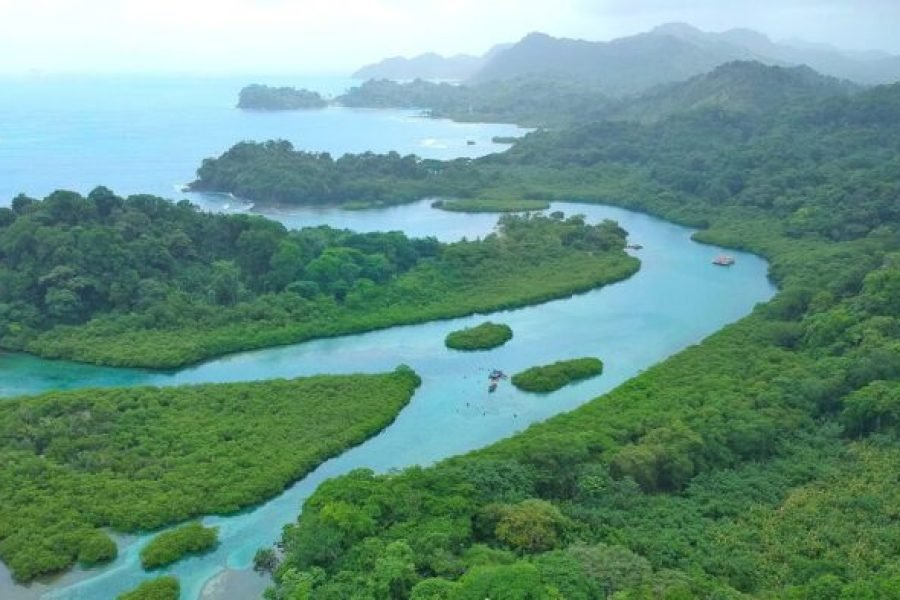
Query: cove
148	134
676	299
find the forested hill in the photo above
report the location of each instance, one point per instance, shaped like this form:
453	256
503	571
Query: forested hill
761	463
741	86
828	167
528	101
274	173
743	96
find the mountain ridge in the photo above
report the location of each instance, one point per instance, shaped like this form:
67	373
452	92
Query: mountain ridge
630	65
429	65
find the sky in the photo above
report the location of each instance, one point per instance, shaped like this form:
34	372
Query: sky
336	36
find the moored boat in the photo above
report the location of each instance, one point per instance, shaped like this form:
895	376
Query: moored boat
723	261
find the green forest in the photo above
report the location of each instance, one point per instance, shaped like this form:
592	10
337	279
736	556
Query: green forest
274	173
144	282
173	545
481	337
549	378
137	459
760	463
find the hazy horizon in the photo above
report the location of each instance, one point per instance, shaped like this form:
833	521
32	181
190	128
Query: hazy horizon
317	36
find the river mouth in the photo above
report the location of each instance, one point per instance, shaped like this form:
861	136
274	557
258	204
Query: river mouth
676	299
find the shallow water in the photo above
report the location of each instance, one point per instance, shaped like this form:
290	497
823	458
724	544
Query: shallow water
675	300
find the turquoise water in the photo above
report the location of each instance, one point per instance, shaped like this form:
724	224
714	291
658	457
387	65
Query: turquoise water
675	300
148	135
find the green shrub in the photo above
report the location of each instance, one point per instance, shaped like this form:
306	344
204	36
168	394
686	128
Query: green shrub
482	337
96	548
549	378
172	546
161	588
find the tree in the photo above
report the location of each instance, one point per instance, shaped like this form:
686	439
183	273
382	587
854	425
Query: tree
874	408
531	526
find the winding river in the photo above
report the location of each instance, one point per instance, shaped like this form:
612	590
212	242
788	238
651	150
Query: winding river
675	300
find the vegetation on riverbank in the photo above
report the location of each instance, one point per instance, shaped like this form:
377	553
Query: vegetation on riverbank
549	378
481	337
760	463
161	588
143	282
491	205
171	546
141	458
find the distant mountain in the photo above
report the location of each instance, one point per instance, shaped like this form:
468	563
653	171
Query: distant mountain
428	66
742	86
870	68
620	67
670	53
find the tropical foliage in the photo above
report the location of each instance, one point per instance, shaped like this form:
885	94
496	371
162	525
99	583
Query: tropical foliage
161	588
141	458
481	337
274	173
549	378
144	282
173	545
760	463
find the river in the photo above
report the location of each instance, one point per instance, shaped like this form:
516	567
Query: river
676	299
147	135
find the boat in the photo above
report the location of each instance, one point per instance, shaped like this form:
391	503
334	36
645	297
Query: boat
470	142
493	387
723	261
634	247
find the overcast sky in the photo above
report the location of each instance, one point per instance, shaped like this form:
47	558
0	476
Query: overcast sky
335	36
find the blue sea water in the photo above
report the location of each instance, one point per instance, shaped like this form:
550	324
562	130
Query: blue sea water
148	136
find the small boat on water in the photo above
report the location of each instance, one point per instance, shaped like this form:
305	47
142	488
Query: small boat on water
493	387
634	247
723	261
